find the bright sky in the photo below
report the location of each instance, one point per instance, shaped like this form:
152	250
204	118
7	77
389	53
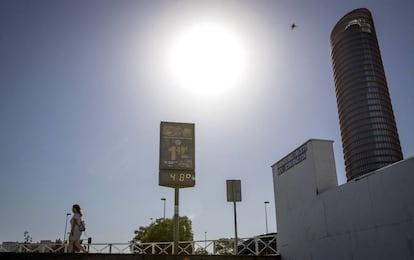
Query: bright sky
85	84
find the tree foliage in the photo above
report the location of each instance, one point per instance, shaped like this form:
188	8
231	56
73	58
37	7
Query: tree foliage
224	246
161	230
201	251
27	238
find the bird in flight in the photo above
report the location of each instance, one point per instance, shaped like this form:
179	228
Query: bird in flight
293	26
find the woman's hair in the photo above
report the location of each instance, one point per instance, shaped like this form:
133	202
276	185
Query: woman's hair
78	209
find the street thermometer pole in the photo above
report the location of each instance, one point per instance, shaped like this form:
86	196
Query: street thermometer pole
177	164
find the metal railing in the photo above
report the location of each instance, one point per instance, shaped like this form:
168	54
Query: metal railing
263	245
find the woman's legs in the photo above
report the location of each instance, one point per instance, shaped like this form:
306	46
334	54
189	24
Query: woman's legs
70	247
79	247
74	243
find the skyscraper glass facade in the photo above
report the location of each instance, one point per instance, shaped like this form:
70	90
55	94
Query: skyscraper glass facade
369	134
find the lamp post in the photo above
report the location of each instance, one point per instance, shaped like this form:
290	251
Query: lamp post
66	226
266	202
164	199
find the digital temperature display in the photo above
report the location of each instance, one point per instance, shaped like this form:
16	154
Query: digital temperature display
177	165
177	179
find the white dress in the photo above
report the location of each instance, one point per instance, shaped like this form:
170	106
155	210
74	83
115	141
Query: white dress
76	233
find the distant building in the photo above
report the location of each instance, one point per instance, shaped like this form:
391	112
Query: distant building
369	133
43	247
9	247
369	217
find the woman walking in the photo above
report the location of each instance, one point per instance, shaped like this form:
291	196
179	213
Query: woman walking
75	232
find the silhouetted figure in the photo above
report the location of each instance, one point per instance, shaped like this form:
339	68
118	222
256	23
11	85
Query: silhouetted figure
293	26
75	231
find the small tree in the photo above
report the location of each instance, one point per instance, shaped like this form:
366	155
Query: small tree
201	251
28	247
27	238
224	246
161	230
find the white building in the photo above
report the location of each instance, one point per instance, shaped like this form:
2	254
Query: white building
371	217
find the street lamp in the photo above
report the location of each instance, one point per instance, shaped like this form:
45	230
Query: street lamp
266	202
164	199
66	226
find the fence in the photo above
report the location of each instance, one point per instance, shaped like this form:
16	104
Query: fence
262	245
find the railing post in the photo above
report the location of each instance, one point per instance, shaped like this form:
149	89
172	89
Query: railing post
214	247
256	244
193	247
110	248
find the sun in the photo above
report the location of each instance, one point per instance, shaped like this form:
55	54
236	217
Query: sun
207	59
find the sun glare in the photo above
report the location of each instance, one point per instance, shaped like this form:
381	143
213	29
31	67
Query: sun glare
207	59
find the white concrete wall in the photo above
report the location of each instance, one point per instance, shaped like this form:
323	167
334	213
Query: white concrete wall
369	218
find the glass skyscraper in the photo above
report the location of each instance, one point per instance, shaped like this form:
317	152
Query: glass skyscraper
369	133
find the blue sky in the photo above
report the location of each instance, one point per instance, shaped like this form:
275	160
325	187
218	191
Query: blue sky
83	90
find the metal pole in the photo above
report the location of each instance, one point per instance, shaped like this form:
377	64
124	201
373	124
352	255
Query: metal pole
176	220
235	228
266	202
89	243
66	226
205	241
164	199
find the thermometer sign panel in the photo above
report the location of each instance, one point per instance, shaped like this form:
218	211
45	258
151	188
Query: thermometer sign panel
177	154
